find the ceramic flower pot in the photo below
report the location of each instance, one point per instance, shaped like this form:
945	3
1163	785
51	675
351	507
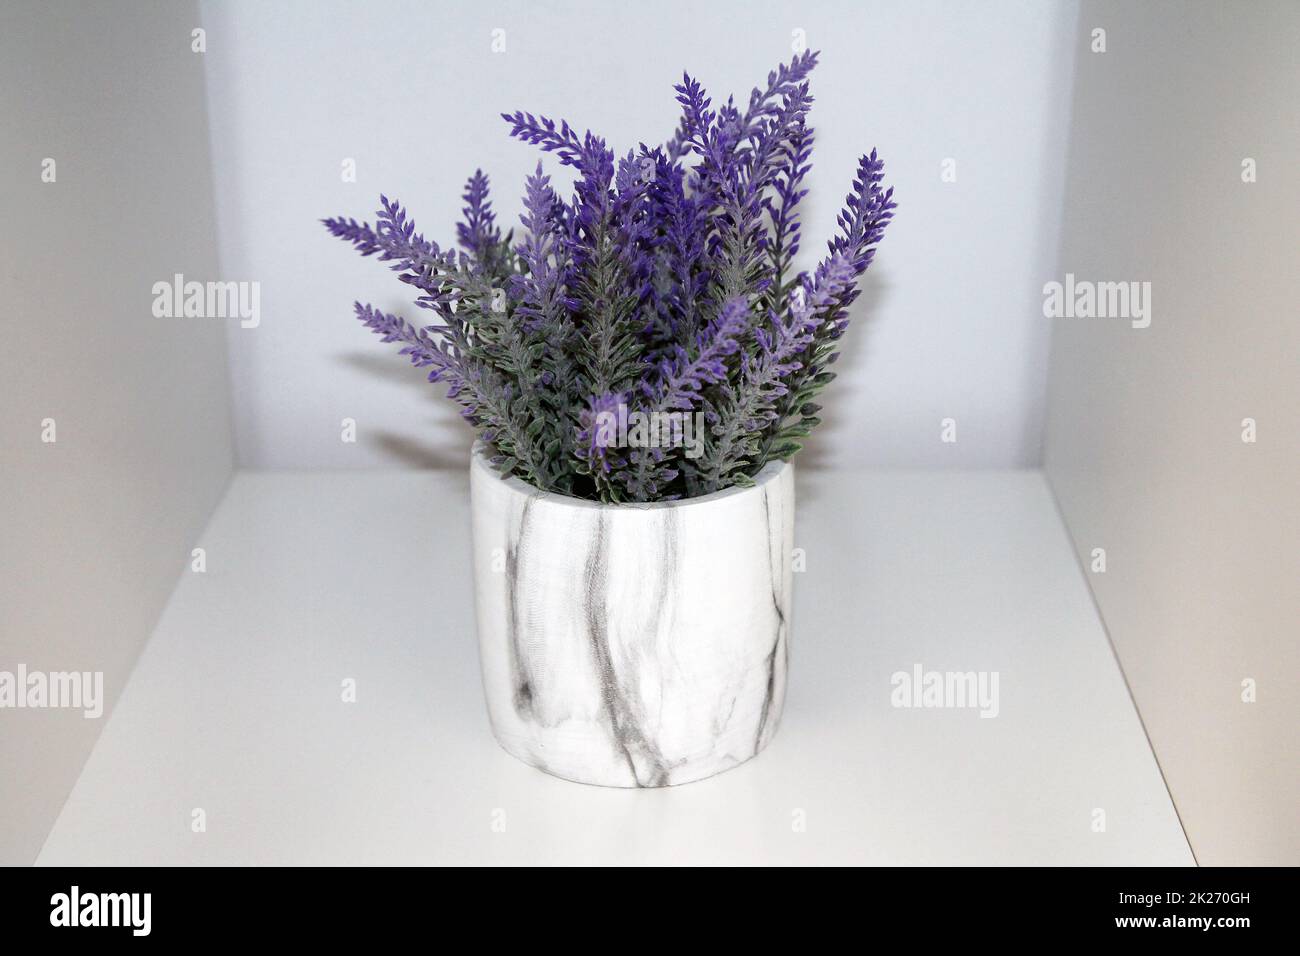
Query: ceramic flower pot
633	645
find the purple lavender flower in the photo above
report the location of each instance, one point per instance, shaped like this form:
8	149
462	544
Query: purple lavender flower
665	285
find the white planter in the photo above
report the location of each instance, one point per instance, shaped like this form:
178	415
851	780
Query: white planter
633	645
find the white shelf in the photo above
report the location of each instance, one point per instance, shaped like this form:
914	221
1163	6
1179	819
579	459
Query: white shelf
235	705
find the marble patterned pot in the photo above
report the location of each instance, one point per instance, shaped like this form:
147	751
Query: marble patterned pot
633	645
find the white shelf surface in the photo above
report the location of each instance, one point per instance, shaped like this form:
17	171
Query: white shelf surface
235	706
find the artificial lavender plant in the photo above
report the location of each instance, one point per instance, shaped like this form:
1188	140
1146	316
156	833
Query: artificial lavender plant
662	291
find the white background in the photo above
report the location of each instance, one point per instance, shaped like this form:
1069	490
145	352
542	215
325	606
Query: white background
950	324
1144	449
95	526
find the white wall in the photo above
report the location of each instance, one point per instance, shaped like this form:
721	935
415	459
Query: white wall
96	526
1144	444
412	92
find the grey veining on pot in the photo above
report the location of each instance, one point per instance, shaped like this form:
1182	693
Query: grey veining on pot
633	645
